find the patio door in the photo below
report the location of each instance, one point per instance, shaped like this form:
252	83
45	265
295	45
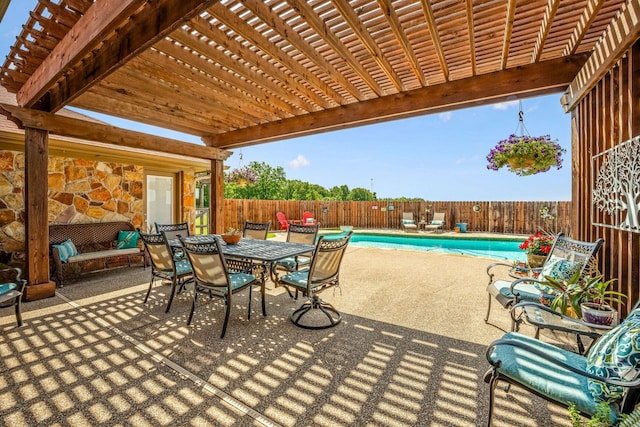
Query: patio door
161	199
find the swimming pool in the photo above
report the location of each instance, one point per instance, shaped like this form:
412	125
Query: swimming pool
488	248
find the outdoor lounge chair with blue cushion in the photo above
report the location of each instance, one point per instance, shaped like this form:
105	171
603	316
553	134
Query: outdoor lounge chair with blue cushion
323	273
437	222
407	222
567	256
11	289
609	372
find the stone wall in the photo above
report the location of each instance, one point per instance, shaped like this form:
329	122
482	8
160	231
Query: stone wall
80	191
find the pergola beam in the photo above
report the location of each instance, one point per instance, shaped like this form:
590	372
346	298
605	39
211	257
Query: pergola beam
91	131
79	69
529	80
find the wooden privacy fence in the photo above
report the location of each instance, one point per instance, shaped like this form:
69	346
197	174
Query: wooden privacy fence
495	217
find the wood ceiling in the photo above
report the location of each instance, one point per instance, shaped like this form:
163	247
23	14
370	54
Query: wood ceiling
237	73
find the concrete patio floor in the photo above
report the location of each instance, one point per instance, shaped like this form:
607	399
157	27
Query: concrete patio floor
409	352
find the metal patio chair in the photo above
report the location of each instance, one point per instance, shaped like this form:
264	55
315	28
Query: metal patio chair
297	233
323	273
256	230
11	289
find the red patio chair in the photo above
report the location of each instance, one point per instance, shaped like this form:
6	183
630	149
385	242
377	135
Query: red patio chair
308	219
282	219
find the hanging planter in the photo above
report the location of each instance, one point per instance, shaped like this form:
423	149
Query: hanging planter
242	177
526	155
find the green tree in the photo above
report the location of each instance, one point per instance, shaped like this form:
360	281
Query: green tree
339	192
361	195
270	185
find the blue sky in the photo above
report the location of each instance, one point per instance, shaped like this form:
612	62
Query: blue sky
434	157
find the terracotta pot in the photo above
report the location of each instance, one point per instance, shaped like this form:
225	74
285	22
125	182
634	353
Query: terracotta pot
536	261
231	239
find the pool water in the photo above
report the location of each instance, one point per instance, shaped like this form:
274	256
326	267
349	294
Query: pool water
488	248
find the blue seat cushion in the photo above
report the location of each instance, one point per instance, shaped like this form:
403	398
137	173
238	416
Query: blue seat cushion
238	280
297	278
7	287
528	291
291	263
183	267
546	377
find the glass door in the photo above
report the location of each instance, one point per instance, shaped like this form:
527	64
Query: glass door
160	200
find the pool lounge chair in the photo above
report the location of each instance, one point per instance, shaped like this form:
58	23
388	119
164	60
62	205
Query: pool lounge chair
407	222
437	222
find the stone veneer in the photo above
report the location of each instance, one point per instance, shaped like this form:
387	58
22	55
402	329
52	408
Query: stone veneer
80	191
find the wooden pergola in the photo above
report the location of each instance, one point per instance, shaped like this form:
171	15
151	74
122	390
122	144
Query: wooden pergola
238	73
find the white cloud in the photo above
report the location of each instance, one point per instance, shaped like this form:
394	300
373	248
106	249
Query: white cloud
505	105
446	116
460	161
299	162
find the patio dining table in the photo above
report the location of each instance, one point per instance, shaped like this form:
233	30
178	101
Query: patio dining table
262	253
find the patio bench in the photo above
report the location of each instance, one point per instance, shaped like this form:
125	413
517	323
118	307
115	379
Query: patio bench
97	248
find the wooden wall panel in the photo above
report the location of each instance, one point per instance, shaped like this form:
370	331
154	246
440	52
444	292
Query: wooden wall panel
608	116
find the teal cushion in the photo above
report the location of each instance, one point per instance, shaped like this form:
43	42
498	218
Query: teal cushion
527	291
66	250
239	280
437	222
559	268
183	267
615	355
543	376
297	278
127	239
7	287
310	220
408	221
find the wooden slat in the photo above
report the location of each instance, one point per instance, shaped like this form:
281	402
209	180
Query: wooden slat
508	28
586	19
435	37
543	77
67	126
472	37
545	27
620	34
131	39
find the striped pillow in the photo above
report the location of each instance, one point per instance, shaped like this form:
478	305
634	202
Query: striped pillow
66	250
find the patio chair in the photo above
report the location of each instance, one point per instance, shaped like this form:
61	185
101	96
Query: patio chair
567	256
11	289
323	273
407	222
308	218
172	231
282	219
297	233
256	230
608	373
437	222
212	277
165	265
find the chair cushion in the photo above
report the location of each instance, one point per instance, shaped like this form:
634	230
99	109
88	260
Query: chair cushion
183	267
559	268
310	220
408	221
437	222
615	355
238	280
527	290
7	287
127	239
296	278
543	376
66	249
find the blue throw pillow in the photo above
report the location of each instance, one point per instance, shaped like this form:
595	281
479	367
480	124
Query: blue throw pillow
408	221
127	240
437	222
66	250
559	268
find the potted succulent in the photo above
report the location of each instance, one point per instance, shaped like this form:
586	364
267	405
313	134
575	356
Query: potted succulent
537	247
526	155
232	236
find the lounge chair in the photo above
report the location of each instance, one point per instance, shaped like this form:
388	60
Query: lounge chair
437	222
608	373
567	256
407	222
308	219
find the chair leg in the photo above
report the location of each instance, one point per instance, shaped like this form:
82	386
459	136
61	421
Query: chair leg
227	303
173	292
313	303
18	310
486	317
193	306
249	306
148	290
262	291
492	391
